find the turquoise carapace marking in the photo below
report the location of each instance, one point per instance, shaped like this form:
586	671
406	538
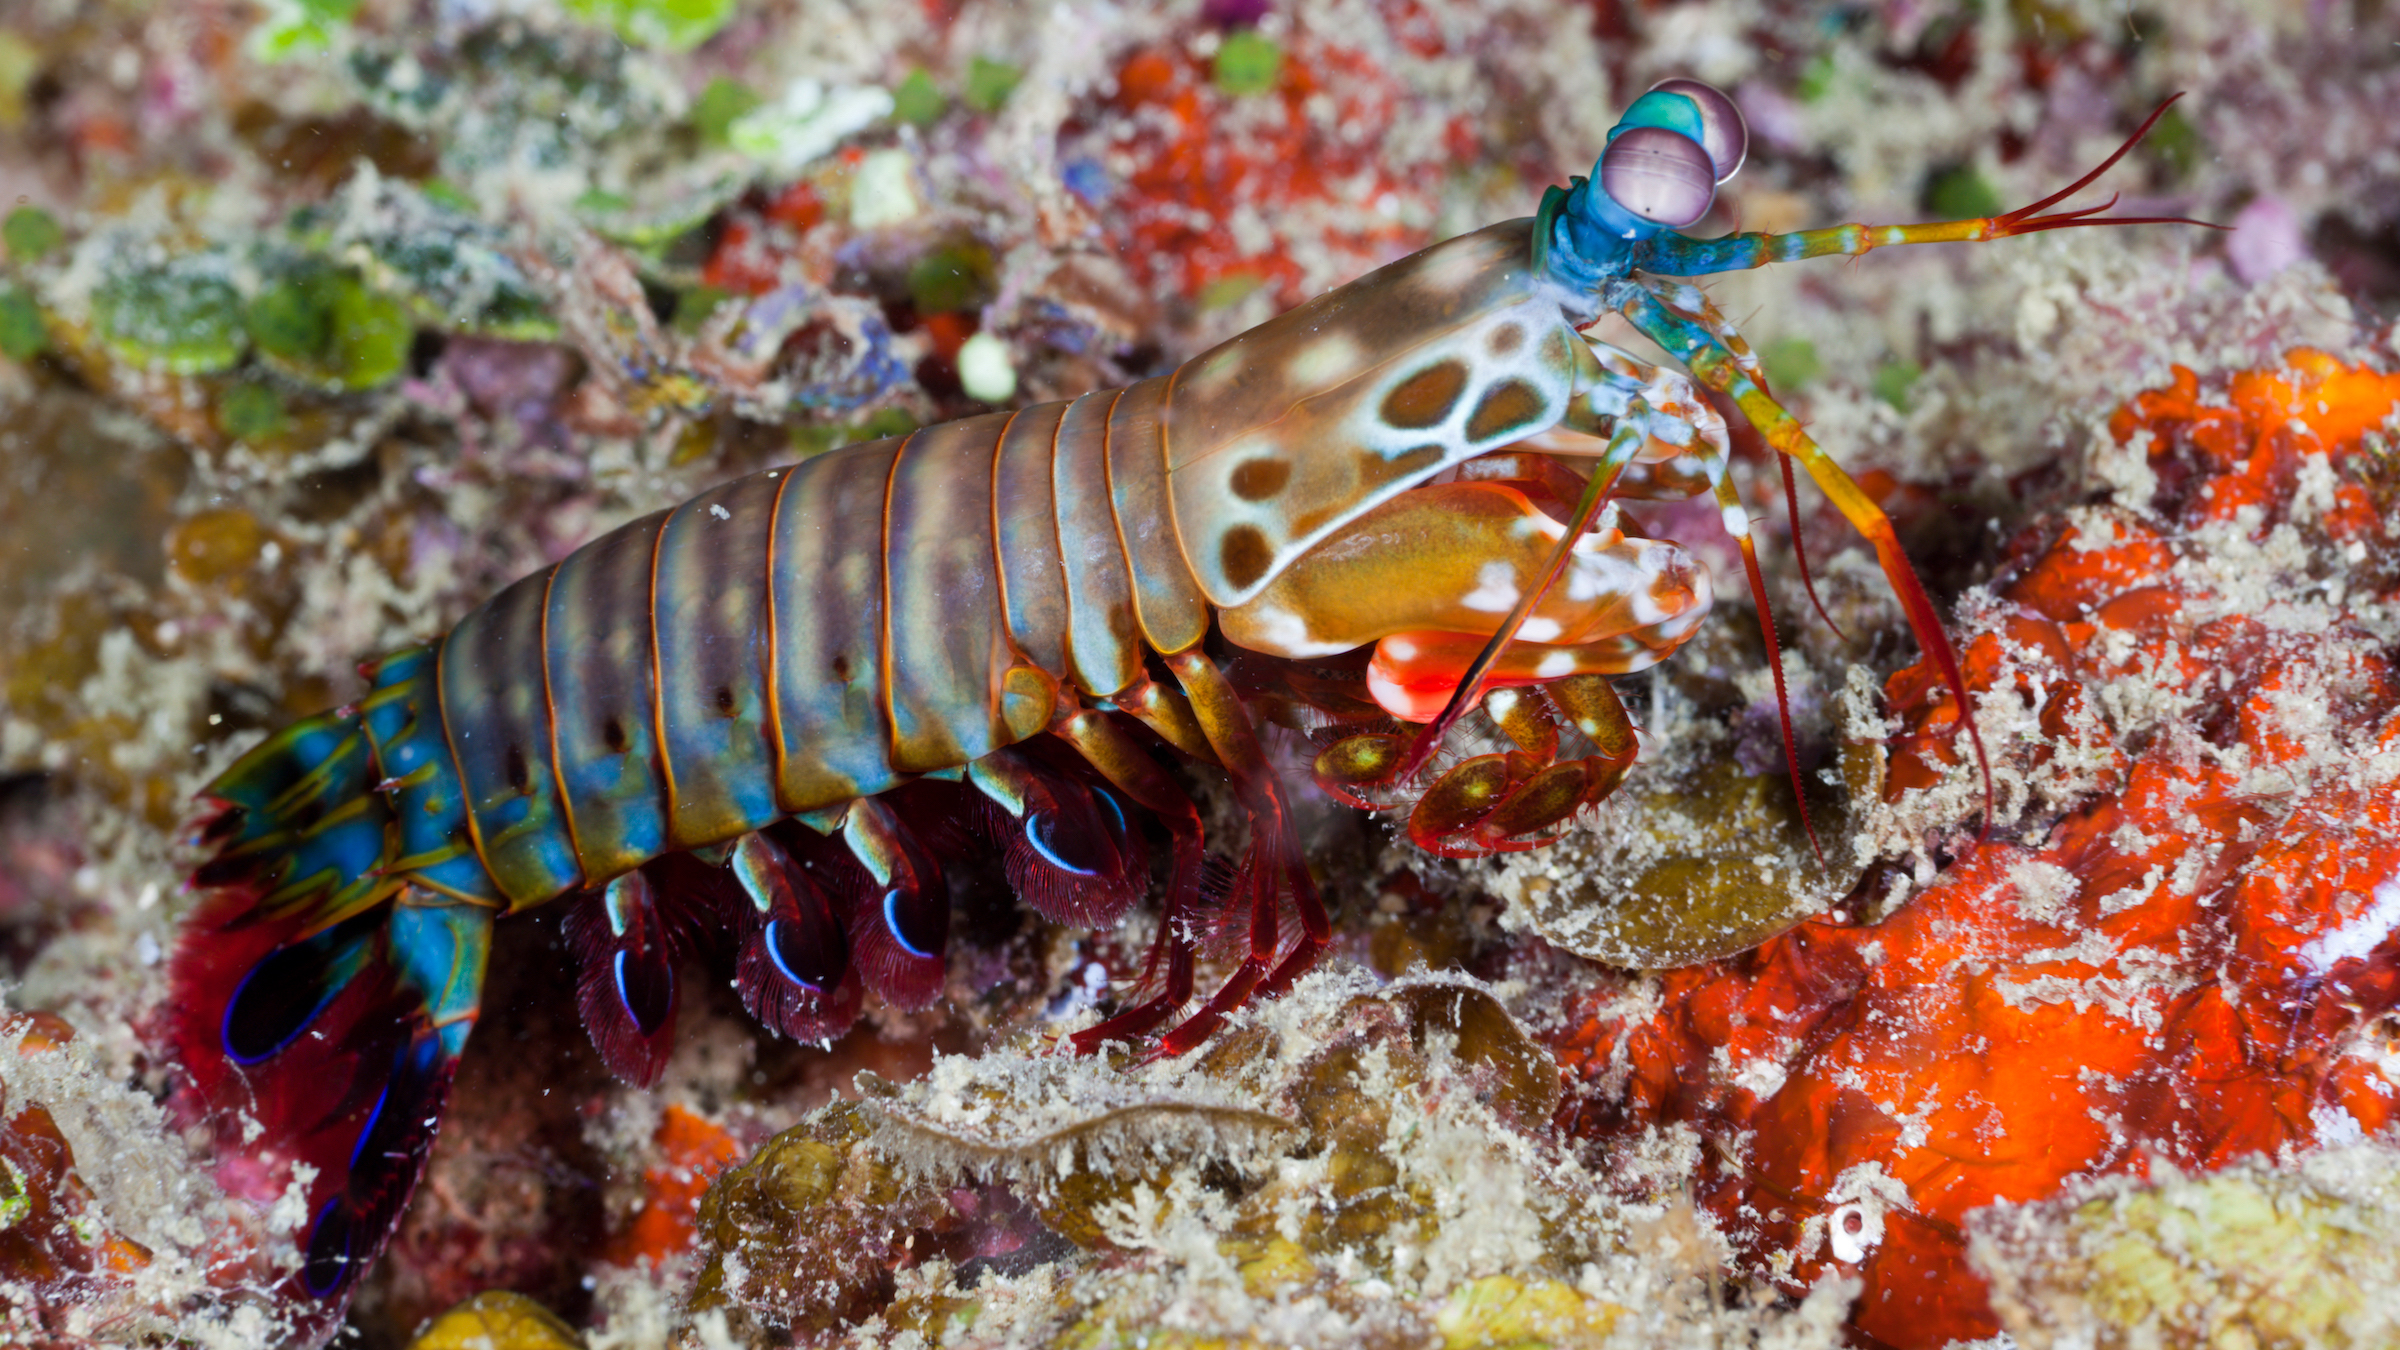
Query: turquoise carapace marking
400	715
603	702
441	947
713	648
498	726
1664	109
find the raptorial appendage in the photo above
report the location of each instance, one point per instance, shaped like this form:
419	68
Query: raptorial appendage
747	734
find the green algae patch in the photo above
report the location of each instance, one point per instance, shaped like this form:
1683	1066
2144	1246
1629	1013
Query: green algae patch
664	25
31	234
325	326
250	412
1248	62
916	100
23	334
449	269
719	106
183	317
989	83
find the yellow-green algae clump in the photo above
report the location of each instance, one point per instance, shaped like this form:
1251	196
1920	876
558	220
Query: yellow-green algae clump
2254	1257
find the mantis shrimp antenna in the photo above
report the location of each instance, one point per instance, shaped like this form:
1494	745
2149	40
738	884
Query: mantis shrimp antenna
1717	358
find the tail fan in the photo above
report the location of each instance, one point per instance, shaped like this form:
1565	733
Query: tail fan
325	985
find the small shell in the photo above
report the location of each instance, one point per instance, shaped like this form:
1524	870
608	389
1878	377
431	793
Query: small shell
1659	175
1723	133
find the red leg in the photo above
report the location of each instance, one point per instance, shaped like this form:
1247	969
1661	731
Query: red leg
1131	771
1274	862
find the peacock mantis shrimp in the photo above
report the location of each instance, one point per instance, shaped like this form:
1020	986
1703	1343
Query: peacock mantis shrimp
749	727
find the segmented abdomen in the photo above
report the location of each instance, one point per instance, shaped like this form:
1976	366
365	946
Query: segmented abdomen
789	641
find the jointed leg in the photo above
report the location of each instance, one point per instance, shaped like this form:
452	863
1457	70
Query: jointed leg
1682	404
1274	862
1689	302
1169	714
1129	769
1737	520
1626	439
1717	368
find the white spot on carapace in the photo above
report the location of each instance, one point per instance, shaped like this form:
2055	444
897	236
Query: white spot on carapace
1555	664
1327	361
719	511
1263	627
1594	571
1495	589
1737	522
1400	649
1539	629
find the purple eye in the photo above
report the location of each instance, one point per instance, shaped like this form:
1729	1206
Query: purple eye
1659	175
1723	133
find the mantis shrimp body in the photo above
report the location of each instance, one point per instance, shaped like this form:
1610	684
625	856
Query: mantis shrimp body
750	727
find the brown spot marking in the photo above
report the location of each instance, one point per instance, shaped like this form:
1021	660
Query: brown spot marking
725	701
1244	555
1512	404
1312	522
1507	338
841	667
1425	398
1374	470
612	731
520	774
1555	353
1255	480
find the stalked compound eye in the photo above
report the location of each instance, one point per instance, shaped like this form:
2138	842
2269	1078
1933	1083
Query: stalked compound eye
1662	176
1723	133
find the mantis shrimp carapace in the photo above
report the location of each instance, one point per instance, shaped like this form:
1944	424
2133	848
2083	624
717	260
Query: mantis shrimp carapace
751	727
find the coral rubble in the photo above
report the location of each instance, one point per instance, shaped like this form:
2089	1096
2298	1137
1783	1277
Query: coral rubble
322	319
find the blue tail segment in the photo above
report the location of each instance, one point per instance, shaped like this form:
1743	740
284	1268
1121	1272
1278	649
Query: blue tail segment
326	982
